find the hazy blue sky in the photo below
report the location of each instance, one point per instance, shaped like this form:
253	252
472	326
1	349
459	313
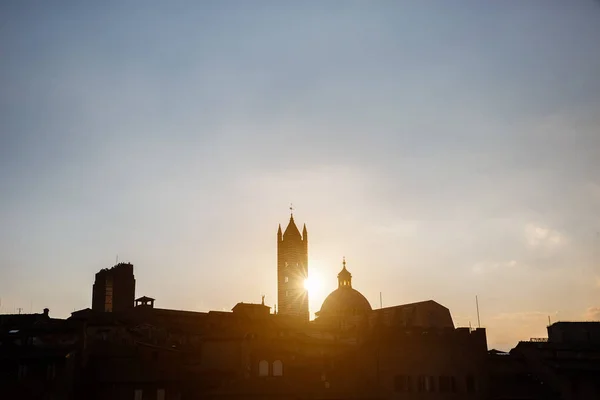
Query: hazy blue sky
447	149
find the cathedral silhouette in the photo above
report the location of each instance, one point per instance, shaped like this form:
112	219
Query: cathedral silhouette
126	348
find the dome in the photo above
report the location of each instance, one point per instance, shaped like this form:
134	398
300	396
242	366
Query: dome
344	301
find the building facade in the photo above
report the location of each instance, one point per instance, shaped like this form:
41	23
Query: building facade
114	289
566	365
126	349
38	357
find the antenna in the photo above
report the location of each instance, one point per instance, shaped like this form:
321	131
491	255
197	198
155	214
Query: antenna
20	309
380	300
117	260
477	304
549	323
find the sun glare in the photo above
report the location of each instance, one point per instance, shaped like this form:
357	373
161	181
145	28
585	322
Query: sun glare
312	285
317	286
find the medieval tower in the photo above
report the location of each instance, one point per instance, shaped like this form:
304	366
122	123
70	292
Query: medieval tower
292	271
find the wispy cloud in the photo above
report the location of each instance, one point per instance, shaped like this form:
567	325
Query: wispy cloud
524	316
540	236
506	329
592	314
484	267
179	135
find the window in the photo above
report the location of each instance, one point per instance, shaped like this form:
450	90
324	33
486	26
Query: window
402	383
287	293
51	372
277	368
421	383
137	394
108	294
445	384
470	381
160	394
575	385
22	373
399	383
286	279
263	368
430	384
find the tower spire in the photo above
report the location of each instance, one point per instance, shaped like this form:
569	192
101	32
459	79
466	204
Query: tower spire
292	270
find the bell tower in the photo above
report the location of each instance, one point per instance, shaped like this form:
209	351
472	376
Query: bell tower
292	271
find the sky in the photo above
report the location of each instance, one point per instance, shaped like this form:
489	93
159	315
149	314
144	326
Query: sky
447	149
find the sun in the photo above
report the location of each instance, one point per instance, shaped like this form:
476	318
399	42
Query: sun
316	285
312	285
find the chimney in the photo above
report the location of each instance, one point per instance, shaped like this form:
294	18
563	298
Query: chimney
46	312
